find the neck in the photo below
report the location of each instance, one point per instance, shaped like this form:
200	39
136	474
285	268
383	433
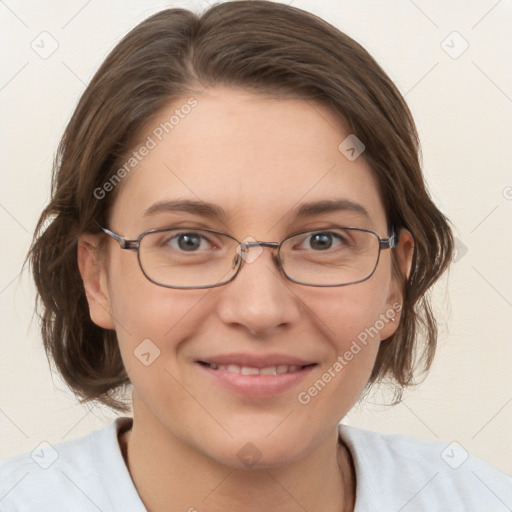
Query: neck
166	471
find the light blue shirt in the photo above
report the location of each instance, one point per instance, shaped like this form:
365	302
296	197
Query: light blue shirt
394	473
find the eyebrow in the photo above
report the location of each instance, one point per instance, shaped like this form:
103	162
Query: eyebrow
328	206
189	206
211	210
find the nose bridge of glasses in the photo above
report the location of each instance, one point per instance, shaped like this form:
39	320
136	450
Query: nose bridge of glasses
255	243
244	246
243	251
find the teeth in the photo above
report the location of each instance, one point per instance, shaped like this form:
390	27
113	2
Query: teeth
247	370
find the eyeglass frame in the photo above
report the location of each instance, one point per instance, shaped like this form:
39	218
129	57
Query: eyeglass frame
134	245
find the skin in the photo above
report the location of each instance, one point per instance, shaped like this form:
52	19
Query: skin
257	157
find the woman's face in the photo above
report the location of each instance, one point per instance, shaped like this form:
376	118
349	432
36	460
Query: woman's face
259	159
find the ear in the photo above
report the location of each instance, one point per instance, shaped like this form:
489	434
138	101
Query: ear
94	276
403	254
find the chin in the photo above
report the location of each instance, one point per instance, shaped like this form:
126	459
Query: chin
257	454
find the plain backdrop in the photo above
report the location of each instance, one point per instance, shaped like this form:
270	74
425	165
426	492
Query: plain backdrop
451	60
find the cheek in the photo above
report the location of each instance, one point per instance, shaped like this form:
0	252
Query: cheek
149	317
351	321
354	319
359	312
158	324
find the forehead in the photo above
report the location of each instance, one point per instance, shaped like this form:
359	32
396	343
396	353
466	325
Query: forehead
257	157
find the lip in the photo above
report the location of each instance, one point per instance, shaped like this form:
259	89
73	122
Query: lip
255	361
256	386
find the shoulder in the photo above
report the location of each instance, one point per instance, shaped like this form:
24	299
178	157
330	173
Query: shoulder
414	474
67	476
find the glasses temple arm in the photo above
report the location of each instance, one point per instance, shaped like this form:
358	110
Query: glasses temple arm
125	244
389	243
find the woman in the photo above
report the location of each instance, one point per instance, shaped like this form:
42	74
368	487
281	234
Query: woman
239	229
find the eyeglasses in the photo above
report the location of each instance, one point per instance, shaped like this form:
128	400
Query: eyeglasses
188	258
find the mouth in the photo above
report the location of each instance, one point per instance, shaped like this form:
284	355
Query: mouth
279	369
256	378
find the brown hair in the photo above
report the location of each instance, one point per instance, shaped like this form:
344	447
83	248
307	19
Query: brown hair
256	45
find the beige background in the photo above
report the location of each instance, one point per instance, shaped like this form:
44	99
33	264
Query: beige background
463	108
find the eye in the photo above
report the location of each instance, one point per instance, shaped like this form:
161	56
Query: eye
322	241
188	242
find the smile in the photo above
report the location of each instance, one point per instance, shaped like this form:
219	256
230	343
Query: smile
247	370
252	382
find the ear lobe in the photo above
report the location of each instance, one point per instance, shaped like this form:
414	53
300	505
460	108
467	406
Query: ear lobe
94	276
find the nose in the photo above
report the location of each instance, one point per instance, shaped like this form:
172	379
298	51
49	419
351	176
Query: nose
259	299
